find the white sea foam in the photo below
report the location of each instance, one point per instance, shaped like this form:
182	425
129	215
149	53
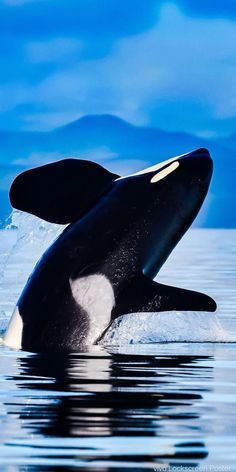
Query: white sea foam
22	243
169	326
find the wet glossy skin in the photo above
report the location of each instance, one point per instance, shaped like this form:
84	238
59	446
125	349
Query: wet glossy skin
131	230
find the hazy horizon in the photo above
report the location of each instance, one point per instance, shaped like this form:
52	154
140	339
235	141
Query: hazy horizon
165	64
167	68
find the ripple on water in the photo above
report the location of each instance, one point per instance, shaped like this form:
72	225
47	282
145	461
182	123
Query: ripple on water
125	406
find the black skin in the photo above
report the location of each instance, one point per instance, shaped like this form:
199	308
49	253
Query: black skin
126	235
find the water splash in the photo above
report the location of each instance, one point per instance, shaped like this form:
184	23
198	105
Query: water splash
23	241
34	231
169	326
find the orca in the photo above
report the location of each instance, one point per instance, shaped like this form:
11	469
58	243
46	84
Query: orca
120	231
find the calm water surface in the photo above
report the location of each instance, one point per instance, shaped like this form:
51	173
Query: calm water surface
153	406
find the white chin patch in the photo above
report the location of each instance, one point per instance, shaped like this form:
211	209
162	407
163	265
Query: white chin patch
95	295
13	335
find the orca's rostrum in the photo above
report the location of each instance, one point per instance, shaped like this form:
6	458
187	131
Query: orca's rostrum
121	230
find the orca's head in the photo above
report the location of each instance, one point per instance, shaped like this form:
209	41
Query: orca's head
167	197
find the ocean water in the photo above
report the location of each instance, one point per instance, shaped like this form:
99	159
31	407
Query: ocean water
158	393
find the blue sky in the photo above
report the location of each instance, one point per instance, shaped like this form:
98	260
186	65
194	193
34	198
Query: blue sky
168	64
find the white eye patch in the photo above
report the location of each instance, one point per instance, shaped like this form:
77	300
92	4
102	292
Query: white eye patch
156	166
163	173
153	168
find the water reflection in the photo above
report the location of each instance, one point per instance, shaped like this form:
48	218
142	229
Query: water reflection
80	408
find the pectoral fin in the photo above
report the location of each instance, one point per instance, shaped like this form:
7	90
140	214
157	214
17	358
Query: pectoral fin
143	294
62	191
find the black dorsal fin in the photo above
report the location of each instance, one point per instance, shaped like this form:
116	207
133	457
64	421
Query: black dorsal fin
62	191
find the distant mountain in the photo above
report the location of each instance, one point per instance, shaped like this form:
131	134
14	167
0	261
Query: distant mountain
123	148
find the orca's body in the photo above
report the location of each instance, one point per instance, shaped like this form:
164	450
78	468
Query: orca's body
103	263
